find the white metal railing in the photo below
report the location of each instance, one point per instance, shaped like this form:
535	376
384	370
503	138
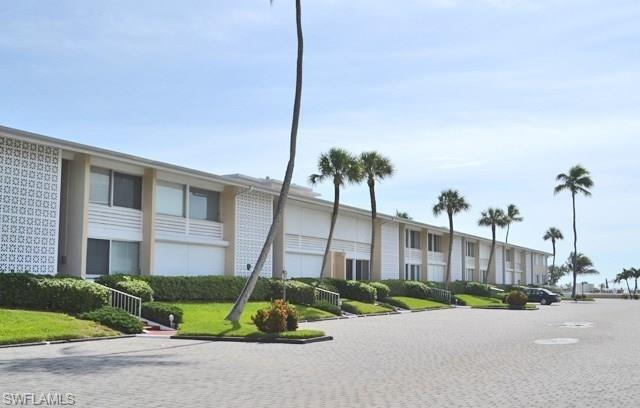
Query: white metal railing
327	296
441	295
121	300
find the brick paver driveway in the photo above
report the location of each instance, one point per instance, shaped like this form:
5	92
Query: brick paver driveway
452	358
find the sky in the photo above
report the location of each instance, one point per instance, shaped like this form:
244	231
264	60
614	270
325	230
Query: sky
493	98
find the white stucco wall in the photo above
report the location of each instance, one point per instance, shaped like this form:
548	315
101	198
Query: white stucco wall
390	249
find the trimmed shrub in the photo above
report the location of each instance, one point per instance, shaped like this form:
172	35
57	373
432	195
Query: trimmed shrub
298	292
478	289
116	319
349	308
27	291
212	288
354	290
277	318
396	287
322	284
458	287
327	307
516	299
127	284
382	290
417	289
159	312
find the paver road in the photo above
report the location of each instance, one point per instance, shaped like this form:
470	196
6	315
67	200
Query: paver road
450	358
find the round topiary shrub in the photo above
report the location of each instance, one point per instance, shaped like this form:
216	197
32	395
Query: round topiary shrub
382	290
516	299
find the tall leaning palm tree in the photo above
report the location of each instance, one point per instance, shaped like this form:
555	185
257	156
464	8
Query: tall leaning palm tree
494	218
341	167
247	290
625	275
577	181
375	167
582	265
553	234
451	202
512	215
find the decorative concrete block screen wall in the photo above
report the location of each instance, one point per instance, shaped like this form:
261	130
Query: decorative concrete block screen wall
29	206
254	213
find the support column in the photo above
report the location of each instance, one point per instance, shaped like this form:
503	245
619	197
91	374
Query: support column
424	247
376	273
77	216
228	219
148	222
401	247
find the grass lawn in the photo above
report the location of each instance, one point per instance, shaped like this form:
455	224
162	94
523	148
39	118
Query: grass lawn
472	300
528	306
207	319
357	307
27	326
410	303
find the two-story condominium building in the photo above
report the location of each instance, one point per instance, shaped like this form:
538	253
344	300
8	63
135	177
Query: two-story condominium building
84	211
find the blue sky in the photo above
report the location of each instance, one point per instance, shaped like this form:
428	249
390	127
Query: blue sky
490	97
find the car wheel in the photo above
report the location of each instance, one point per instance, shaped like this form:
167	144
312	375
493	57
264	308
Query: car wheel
544	302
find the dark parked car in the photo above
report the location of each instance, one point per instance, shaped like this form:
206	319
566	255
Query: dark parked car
541	295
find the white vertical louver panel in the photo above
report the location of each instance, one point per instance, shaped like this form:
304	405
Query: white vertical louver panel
390	250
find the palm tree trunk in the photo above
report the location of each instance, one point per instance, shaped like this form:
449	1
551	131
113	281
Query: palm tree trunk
493	248
575	245
448	275
628	288
247	290
334	218
374	214
553	263
506	239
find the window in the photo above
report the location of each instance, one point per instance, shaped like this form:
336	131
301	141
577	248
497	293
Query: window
509	255
357	269
100	186
468	276
127	191
125	257
471	249
412	272
203	204
106	257
435	244
97	257
412	239
170	199
116	189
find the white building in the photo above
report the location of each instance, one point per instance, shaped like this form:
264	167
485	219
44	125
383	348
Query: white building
84	211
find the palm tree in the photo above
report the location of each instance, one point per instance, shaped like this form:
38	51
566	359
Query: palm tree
635	274
553	234
451	202
341	167
577	181
625	275
403	214
513	215
374	167
492	217
247	290
582	266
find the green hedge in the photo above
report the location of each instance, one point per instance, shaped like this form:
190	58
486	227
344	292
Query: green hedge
116	319
212	288
415	289
478	289
128	284
298	293
354	290
159	312
382	290
328	307
27	291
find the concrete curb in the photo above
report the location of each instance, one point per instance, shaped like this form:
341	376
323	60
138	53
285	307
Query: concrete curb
255	340
45	343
